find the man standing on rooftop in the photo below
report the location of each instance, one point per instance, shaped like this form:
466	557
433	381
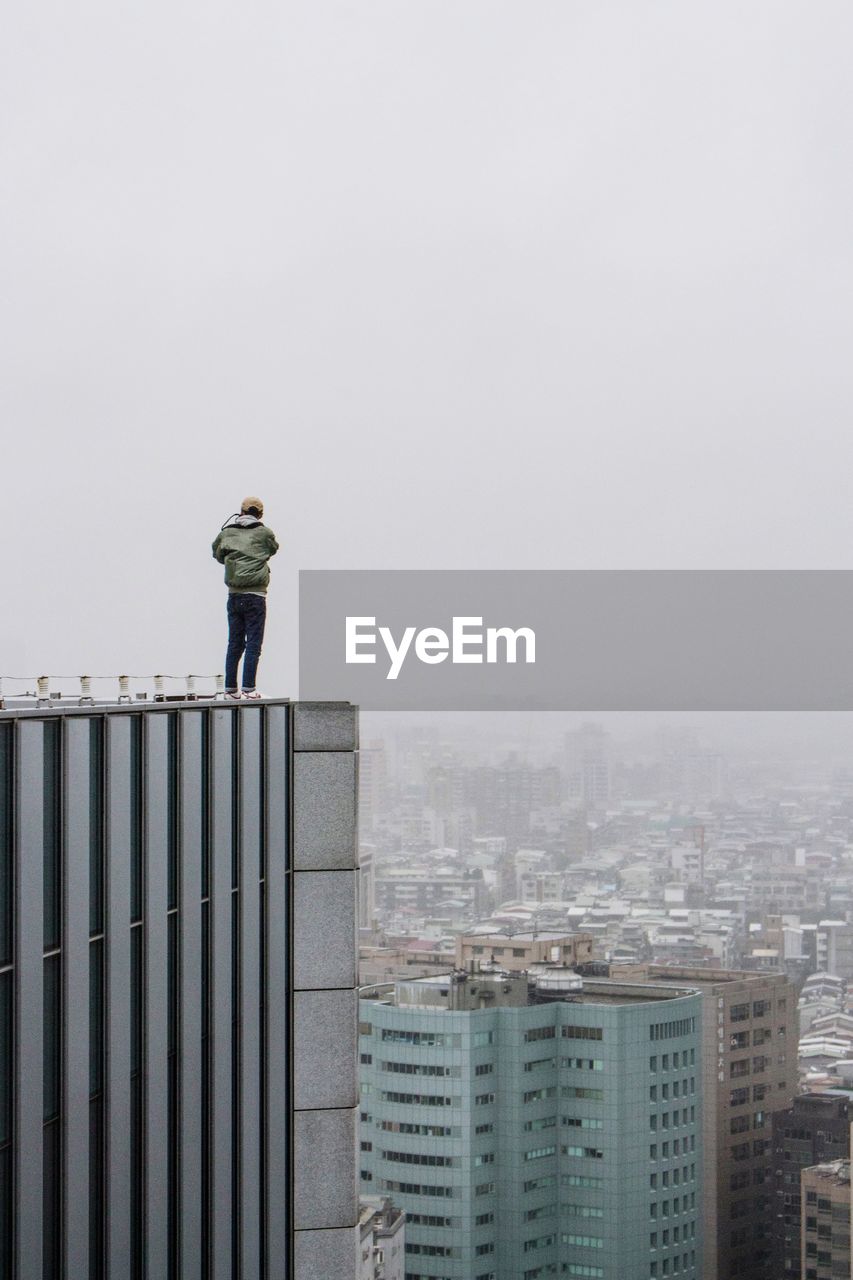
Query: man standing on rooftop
244	545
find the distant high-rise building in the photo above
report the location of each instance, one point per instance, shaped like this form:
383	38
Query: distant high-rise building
588	766
825	1204
814	1130
533	1125
689	771
749	1071
423	893
372	784
178	1074
835	948
366	883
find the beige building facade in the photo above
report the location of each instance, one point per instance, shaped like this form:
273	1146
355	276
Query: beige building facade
521	950
825	1206
749	1071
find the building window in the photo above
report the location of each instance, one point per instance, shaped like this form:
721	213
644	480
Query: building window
539	1033
582	1180
425	1039
544	1122
539	1095
415	1099
543	1211
541	1242
582	1211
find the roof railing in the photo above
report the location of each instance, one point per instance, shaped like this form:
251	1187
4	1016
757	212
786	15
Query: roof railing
47	691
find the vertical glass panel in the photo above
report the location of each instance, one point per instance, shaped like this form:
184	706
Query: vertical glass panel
96	826
205	806
205	1088
96	1188
235	804
6	756
52	1037
137	1242
6	1220
135	1000
172	792
262	791
52	832
52	1202
6	1061
97	1055
96	1016
235	1073
136	818
262	926
174	1116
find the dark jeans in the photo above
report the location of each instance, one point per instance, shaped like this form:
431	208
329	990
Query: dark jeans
246	617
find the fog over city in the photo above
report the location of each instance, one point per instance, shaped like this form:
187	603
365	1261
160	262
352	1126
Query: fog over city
572	866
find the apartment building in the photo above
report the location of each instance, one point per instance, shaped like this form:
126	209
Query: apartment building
534	1125
815	1130
749	1072
825	1250
523	949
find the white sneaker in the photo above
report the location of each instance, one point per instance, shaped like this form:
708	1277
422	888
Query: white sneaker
252	695
233	695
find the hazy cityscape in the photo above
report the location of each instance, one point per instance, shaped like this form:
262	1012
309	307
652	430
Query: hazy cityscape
546	883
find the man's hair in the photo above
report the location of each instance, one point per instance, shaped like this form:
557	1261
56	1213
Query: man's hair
252	507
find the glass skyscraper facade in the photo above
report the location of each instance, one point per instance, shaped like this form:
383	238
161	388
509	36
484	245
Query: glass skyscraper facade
529	1135
177	991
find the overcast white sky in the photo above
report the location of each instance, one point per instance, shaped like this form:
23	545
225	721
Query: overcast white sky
449	283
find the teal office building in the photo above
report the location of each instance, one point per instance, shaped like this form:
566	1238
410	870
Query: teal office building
536	1124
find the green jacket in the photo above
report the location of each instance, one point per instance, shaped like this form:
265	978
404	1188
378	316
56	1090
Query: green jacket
244	546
